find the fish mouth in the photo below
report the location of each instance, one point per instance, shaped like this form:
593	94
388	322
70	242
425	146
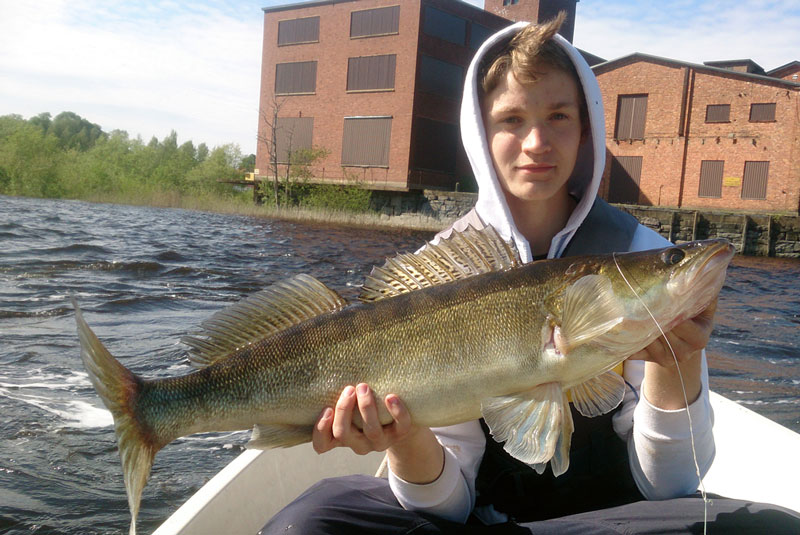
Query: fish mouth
702	279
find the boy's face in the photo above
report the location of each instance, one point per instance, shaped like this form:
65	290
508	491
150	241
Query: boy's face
534	132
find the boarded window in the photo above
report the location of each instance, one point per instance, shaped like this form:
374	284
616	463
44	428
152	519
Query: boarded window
365	141
293	78
718	113
292	134
445	26
754	182
762	112
477	35
711	178
631	115
371	73
441	78
626	172
435	145
380	21
292	32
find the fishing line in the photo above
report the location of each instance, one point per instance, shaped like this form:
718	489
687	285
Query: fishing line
683	387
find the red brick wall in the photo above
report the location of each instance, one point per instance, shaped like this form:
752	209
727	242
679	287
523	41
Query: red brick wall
332	103
671	162
741	140
662	148
536	11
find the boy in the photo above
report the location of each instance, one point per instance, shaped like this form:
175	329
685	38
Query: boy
533	127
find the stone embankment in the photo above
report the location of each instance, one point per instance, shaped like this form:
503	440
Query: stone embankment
751	234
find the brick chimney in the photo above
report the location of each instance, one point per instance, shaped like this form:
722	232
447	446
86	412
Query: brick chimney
535	11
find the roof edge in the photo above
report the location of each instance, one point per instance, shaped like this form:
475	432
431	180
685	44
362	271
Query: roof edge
609	65
299	5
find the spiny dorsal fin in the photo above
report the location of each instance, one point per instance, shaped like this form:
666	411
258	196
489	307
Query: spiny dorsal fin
462	255
260	315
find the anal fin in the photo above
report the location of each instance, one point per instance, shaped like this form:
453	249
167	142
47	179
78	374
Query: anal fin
278	436
535	425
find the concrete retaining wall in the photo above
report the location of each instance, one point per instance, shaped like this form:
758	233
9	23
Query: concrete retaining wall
751	234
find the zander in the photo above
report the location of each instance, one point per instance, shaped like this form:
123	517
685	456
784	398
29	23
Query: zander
459	331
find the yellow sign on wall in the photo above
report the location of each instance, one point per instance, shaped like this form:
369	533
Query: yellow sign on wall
731	181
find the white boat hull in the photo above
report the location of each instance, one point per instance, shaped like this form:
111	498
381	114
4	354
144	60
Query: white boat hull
756	460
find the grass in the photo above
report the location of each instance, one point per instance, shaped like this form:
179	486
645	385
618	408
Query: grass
243	205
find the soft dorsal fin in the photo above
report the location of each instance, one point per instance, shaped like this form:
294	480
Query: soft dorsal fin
260	315
462	255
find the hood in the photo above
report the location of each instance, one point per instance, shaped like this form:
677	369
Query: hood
585	180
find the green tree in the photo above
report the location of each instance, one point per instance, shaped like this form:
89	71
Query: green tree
202	152
69	156
29	160
248	163
43	121
73	131
220	165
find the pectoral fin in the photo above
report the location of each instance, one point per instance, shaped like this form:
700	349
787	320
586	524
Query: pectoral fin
278	436
598	395
532	424
590	310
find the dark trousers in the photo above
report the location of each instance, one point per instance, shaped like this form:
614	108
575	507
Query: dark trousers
355	505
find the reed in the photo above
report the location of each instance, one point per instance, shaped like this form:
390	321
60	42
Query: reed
243	205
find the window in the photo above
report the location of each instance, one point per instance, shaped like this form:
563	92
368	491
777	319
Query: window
371	73
510	2
718	113
441	78
435	145
626	172
296	78
631	115
365	141
754	182
297	31
762	113
477	35
711	178
292	134
445	26
371	22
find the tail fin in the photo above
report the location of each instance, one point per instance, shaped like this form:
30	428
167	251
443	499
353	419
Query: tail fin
118	387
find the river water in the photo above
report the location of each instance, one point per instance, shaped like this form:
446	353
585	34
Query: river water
146	276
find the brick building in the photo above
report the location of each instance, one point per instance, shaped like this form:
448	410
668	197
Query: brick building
378	84
724	135
790	71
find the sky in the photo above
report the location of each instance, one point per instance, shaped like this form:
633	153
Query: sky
152	66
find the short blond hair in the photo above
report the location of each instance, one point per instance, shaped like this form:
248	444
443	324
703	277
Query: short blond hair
524	56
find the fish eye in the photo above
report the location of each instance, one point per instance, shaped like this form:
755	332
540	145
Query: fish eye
672	256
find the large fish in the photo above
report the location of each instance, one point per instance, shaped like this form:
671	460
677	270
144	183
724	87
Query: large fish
460	330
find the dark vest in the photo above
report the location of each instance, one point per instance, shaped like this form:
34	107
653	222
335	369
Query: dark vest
599	474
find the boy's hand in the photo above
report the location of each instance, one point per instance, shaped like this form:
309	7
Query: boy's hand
662	385
414	453
335	427
687	339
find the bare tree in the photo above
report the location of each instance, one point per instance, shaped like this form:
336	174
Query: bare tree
270	118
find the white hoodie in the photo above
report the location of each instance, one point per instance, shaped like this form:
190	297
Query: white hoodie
658	441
